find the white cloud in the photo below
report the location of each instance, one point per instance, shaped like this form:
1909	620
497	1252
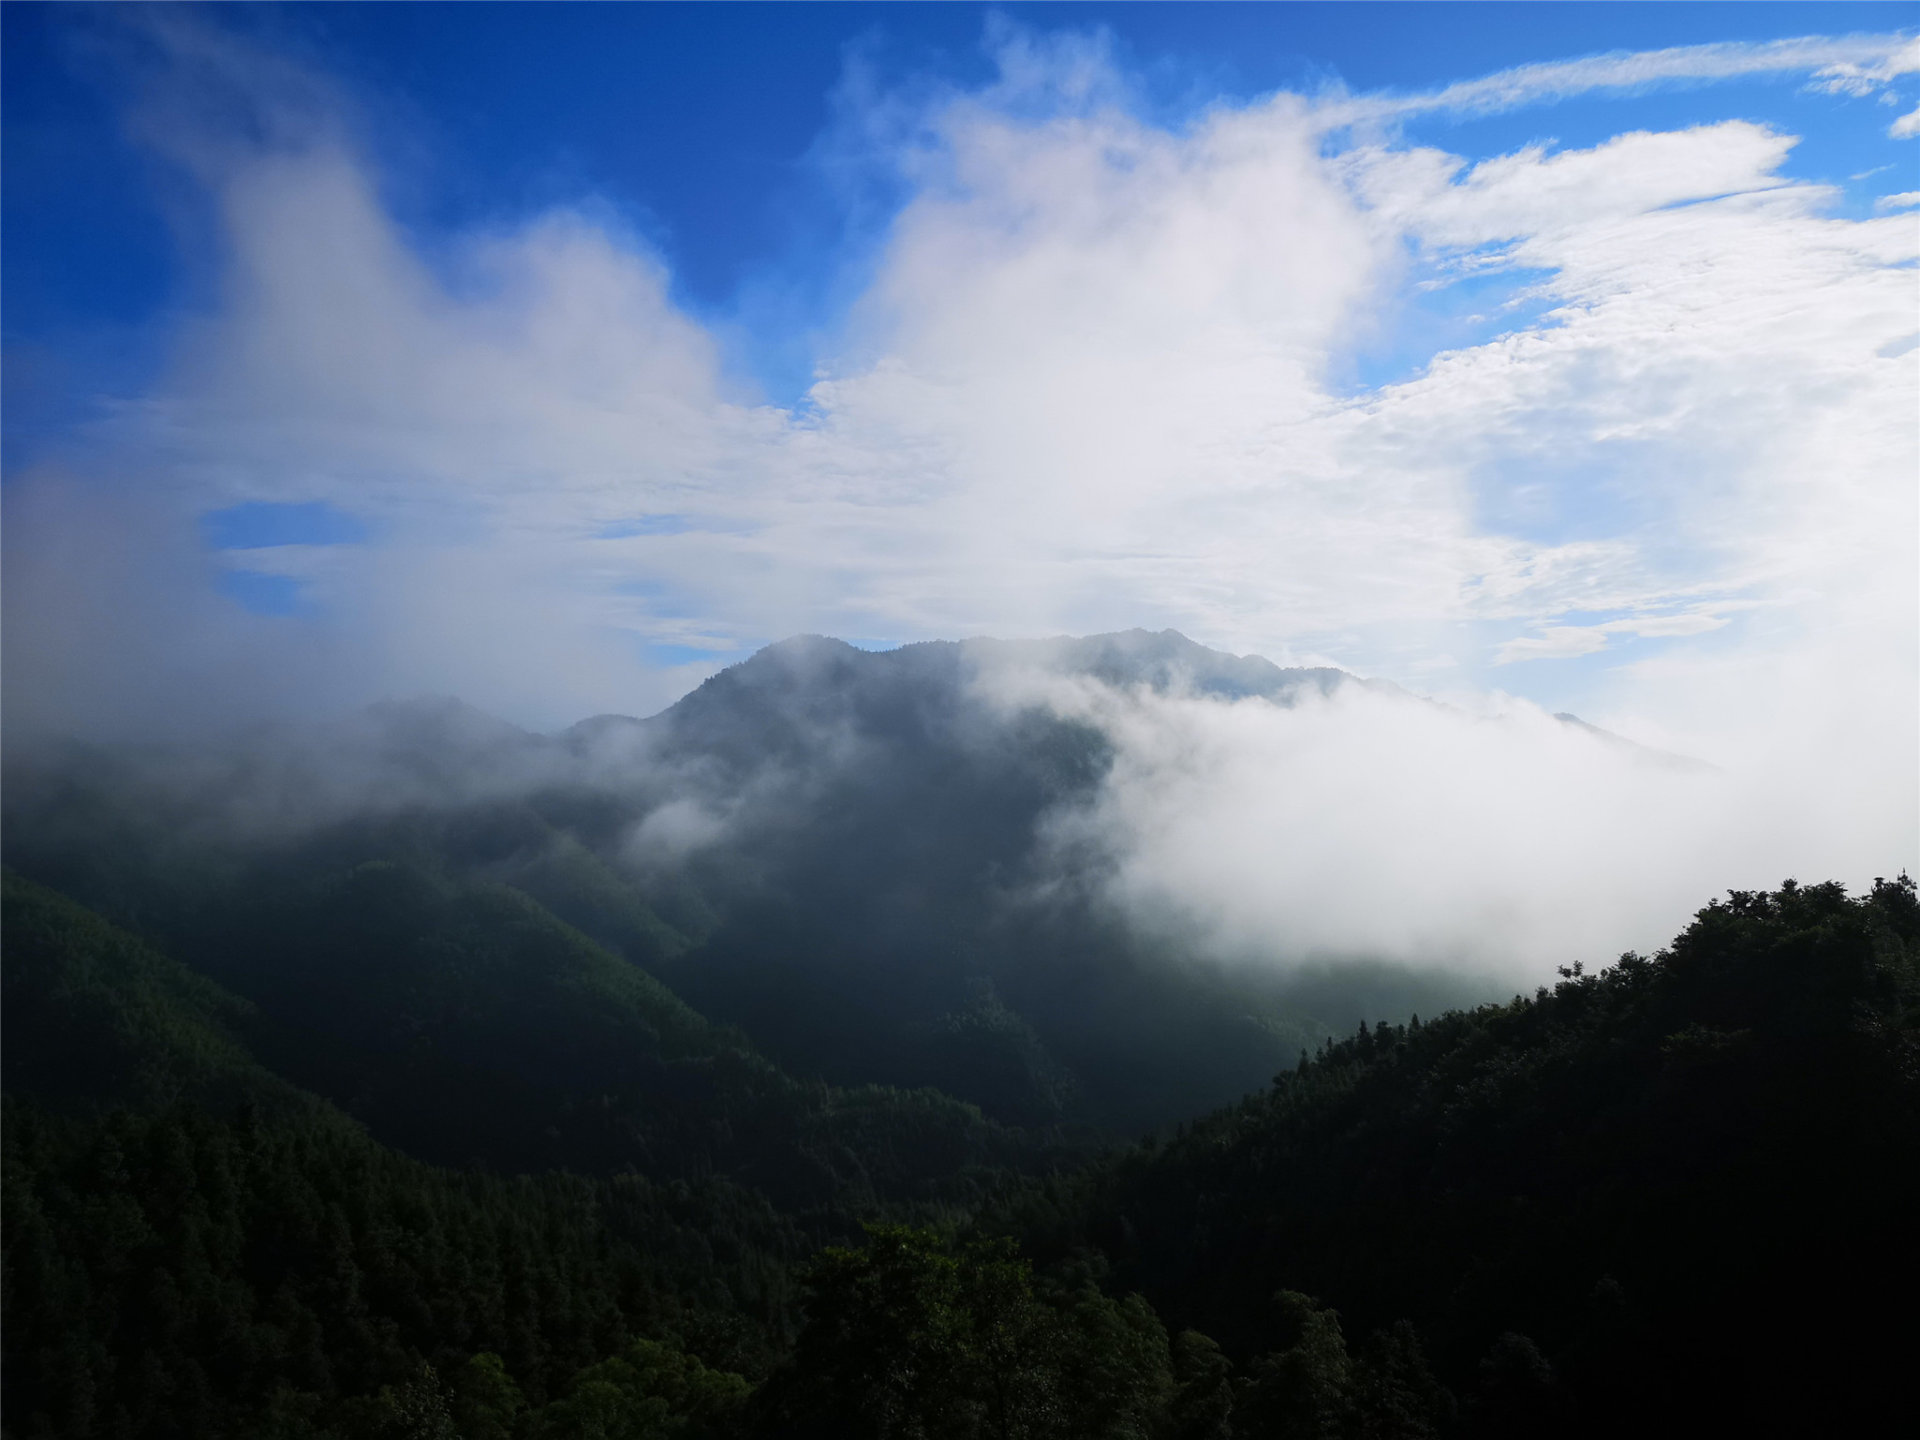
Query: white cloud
1091	385
1556	642
1906	127
1563	642
1837	63
1866	76
1380	826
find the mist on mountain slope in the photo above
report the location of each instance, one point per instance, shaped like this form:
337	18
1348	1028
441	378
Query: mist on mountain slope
1285	818
1298	819
1112	880
1368	824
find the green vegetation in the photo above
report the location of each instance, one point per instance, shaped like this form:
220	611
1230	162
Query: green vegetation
1671	1192
1675	1196
95	1017
178	1275
463	1023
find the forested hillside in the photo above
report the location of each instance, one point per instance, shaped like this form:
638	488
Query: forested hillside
1672	1196
1678	1192
841	853
196	1246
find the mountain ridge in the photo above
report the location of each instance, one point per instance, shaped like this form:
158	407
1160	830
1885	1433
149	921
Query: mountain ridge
843	854
1165	662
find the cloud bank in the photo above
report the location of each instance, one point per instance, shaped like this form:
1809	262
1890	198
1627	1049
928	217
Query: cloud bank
1370	824
1101	374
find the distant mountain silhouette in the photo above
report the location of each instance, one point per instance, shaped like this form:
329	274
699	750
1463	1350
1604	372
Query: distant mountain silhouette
809	681
818	667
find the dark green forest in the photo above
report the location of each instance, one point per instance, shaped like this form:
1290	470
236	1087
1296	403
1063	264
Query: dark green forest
1676	1194
404	1083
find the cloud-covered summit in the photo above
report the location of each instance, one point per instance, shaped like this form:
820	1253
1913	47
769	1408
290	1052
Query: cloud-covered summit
1211	805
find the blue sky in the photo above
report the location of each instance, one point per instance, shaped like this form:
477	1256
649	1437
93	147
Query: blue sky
558	355
704	127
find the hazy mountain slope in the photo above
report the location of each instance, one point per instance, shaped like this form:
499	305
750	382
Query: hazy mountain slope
887	866
843	853
94	1018
461	1022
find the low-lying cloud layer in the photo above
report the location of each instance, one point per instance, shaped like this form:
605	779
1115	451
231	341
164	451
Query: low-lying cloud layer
1373	824
1101	374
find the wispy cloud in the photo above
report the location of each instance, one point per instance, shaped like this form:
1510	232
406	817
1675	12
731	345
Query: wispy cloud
1561	642
1851	65
1867	75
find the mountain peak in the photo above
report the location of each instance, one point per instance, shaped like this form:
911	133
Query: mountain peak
1163	660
